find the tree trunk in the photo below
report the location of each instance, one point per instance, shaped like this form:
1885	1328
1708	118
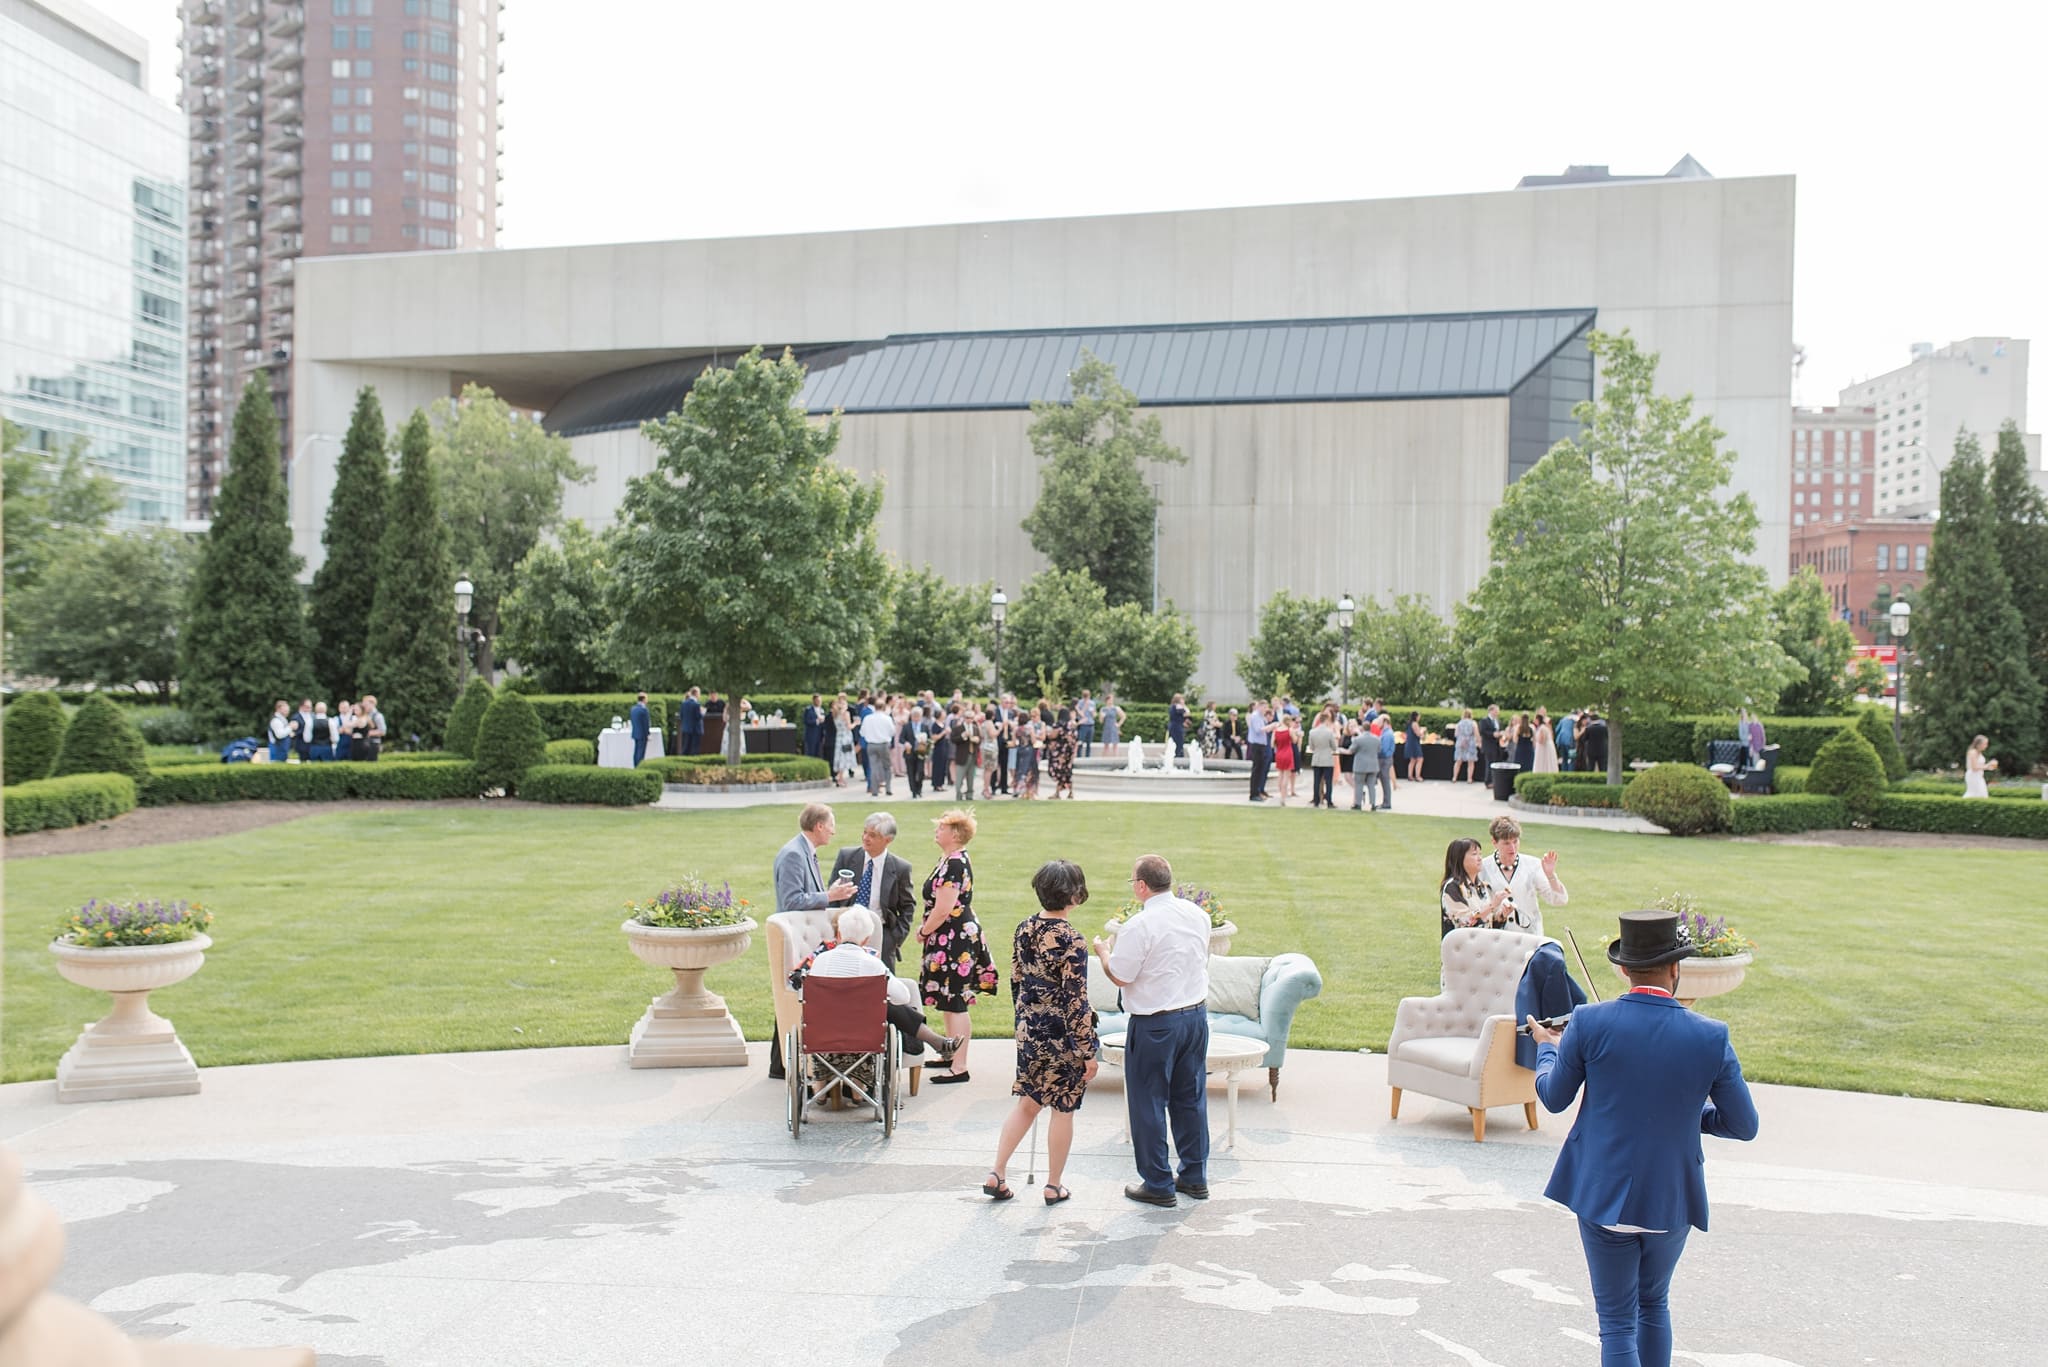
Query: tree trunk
733	727
1614	745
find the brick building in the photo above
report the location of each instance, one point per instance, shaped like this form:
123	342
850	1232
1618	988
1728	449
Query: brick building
1864	565
320	128
1834	465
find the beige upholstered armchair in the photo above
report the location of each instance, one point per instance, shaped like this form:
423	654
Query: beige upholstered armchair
791	936
1460	1044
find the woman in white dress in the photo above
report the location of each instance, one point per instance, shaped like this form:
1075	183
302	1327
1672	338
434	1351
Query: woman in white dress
1974	765
1546	744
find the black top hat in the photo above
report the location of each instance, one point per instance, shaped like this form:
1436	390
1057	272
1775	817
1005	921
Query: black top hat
1649	939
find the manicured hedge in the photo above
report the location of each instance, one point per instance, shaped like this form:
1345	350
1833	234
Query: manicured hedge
1962	816
1789	781
51	803
74	696
1941	787
336	782
181	761
1667	740
1787	813
580	716
588	783
1584	794
571	752
711	770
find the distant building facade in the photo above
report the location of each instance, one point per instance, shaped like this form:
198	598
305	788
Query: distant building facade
1834	465
1865	565
92	258
1973	385
342	126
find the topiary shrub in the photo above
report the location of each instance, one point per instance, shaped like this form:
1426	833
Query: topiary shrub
31	734
101	740
509	742
572	752
467	715
1682	798
1847	767
1877	729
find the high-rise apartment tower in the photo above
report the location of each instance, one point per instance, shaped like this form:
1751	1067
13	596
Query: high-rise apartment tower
320	128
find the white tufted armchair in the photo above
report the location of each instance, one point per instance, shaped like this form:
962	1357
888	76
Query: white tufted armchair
1460	1044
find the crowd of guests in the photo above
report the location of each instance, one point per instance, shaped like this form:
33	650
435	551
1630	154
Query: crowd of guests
986	749
312	734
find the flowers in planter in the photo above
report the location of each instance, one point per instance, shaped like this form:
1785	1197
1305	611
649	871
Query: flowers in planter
1187	892
1710	937
103	924
692	904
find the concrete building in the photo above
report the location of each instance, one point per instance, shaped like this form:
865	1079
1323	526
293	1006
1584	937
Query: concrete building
1974	385
1834	465
92	262
1864	565
1354	383
366	126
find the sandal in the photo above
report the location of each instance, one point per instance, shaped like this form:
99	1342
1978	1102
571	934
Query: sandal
996	1189
949	1047
1051	1199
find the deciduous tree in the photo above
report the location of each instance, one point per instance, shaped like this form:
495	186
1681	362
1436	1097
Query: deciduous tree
47	503
1804	624
1402	652
244	643
1620	567
931	632
1298	637
107	610
409	659
747	558
1095	511
1062	624
345	585
554	621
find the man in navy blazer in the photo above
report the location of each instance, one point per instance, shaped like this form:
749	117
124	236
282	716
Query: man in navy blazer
1657	1077
642	728
689	724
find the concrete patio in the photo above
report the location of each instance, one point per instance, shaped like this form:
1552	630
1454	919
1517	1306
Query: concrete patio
555	1207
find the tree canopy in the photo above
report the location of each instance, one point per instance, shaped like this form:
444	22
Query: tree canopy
931	633
1095	511
1804	624
554	621
1062	624
747	558
1401	651
1297	637
244	643
1620	568
48	502
107	610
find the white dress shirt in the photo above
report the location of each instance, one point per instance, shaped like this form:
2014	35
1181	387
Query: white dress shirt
1527	890
858	961
878	728
1163	954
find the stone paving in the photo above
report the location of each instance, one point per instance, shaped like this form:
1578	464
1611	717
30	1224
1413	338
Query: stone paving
556	1207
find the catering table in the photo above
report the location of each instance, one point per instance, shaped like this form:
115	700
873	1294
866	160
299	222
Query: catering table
1228	1055
615	748
759	740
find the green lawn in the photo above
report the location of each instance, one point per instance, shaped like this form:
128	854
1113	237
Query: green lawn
352	933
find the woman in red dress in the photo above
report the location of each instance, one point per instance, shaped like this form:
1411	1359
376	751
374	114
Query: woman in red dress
1284	740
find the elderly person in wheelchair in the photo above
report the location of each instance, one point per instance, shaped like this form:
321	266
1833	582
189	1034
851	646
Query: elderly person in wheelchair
855	954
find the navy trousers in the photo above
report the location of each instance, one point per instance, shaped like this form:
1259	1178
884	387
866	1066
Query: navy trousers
639	750
1262	760
1631	1275
1163	1086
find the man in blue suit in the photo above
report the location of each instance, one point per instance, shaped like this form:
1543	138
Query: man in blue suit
690	724
641	727
1657	1077
814	726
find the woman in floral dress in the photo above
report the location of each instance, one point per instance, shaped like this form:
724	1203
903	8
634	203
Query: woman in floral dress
1055	1029
954	964
1059	754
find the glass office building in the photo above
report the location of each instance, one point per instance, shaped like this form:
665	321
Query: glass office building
92	253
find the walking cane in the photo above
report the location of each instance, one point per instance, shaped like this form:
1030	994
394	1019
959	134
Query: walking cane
1031	1171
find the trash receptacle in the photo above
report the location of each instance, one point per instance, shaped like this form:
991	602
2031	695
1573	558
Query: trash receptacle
1504	781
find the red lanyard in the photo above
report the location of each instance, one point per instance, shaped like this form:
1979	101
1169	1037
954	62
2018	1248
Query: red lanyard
1649	991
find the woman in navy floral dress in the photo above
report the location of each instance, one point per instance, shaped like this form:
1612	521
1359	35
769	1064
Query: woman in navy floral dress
1055	1029
954	964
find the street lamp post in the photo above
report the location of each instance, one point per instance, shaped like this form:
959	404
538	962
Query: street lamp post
1902	622
998	608
1345	608
465	594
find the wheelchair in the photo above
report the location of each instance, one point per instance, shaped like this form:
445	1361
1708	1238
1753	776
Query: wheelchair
844	1025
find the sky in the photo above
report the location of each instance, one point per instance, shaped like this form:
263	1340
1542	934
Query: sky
1916	130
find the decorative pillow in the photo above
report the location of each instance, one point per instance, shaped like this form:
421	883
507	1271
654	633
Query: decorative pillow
1103	995
1234	986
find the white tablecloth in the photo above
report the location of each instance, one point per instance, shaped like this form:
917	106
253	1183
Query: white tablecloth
615	748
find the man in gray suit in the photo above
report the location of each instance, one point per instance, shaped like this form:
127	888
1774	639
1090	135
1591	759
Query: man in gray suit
1365	769
881	882
800	887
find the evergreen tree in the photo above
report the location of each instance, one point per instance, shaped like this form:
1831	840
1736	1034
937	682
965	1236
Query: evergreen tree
345	585
31	734
468	715
1968	673
244	643
509	741
409	657
2022	512
1876	725
101	740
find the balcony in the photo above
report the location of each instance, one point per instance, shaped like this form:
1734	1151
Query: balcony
202	99
289	134
286	215
249	75
284	246
248	40
287	19
291	53
279	325
199	40
282	164
288	80
248	156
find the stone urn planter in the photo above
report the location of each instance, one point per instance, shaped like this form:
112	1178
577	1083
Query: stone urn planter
132	1051
688	1027
1702	977
1219	936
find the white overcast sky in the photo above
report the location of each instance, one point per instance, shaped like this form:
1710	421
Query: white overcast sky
1917	130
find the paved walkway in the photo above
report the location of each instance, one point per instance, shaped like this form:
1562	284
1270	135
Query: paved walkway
555	1207
1463	801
